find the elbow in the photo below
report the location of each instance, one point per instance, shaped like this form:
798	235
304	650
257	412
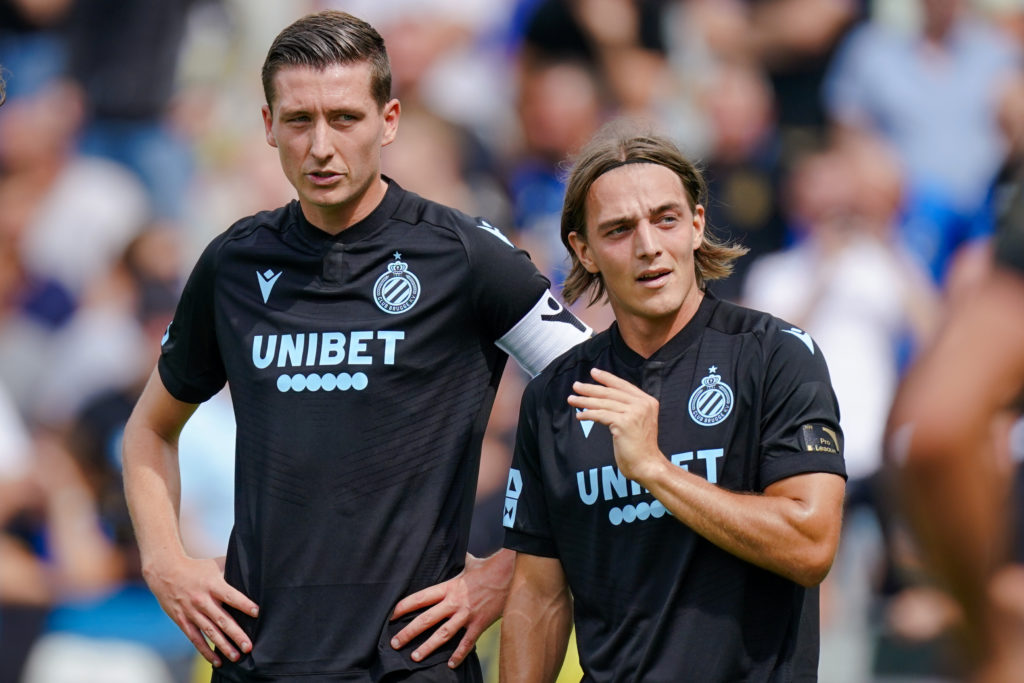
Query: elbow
813	557
813	571
810	568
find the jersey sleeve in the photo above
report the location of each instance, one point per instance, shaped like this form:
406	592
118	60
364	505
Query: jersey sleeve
800	430
512	300
190	363
1009	240
525	513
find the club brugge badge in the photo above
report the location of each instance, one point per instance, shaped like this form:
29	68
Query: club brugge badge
711	402
397	290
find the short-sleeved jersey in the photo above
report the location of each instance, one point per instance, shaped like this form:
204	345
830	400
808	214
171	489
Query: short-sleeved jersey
1009	240
362	369
745	401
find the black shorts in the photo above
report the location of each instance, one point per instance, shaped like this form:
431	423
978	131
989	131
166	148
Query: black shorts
467	672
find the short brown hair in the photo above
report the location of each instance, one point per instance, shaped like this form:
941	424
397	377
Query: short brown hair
622	142
325	38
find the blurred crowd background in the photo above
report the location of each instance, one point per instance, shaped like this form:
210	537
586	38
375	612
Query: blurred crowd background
858	147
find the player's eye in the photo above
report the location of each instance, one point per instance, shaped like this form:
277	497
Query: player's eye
617	230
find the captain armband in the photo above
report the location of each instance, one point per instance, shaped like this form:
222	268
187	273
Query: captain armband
543	334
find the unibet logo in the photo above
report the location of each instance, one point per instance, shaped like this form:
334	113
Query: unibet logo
610	484
325	349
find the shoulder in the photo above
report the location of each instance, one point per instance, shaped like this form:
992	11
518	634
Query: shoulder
731	318
243	232
458	225
778	339
276	220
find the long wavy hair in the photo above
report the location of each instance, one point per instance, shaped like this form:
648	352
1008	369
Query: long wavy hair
624	142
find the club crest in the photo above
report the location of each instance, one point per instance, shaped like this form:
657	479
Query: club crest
711	402
396	290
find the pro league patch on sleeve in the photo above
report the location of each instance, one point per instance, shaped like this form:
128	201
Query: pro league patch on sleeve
817	438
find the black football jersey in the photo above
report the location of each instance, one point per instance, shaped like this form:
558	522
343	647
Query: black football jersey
745	401
362	369
1009	240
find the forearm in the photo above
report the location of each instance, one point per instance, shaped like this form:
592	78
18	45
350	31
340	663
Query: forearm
152	486
791	536
953	483
535	629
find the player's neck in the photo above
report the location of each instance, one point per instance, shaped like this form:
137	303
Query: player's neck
646	335
336	218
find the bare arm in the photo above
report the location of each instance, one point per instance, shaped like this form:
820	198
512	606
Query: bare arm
792	529
537	623
951	483
191	591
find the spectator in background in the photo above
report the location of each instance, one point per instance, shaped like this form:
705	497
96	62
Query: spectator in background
101	619
866	301
442	159
794	41
24	593
447	56
847	283
559	105
951	458
742	167
936	94
624	43
791	41
32	47
66	218
125	57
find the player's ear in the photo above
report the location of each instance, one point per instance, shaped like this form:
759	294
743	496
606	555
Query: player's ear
698	226
268	125
392	112
579	245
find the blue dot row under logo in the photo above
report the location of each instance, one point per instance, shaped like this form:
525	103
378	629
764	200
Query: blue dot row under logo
326	382
641	511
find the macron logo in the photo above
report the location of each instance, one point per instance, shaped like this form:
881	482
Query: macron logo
802	336
586	424
512	492
267	280
484	225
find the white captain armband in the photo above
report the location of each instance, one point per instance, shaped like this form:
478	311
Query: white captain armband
543	334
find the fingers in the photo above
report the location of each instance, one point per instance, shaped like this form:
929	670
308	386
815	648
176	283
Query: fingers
228	628
195	636
196	597
419	625
207	623
239	600
615	382
441	636
464	648
609	387
419	600
216	636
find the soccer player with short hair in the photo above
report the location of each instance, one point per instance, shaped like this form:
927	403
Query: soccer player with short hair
678	479
363	331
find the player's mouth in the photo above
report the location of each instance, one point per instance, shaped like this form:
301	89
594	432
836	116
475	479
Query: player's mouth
322	177
653	277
